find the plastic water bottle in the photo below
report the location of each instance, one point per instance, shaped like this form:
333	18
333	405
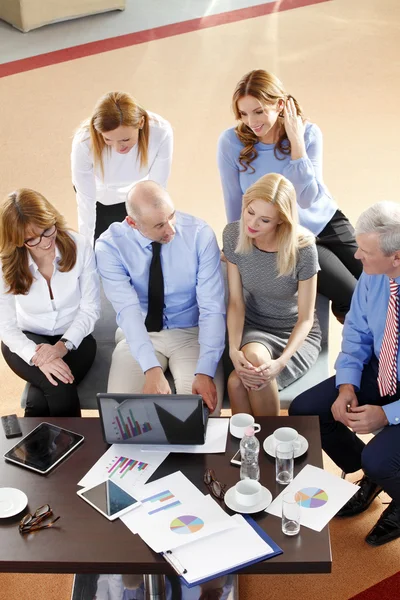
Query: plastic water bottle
249	451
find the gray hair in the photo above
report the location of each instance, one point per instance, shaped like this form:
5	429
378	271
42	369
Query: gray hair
382	218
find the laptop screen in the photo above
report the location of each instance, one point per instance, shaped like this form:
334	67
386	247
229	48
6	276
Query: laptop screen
153	419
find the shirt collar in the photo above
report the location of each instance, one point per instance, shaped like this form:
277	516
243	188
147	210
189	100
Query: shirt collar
143	241
33	265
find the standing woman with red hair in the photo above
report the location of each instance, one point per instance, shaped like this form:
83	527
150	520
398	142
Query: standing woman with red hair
120	144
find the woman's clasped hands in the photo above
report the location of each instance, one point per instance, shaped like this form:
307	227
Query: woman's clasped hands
49	359
252	377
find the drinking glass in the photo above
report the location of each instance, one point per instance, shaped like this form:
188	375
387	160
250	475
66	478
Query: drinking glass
284	459
290	514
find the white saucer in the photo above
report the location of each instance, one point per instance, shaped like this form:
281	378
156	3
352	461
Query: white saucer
269	446
12	502
230	501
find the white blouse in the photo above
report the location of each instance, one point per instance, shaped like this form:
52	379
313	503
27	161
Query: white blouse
121	171
72	313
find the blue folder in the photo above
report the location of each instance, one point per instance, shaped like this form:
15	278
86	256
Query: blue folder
275	551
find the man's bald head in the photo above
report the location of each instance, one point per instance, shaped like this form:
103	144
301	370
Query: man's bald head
151	211
144	198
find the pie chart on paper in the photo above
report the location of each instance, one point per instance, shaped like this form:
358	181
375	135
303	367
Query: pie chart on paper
186	524
311	497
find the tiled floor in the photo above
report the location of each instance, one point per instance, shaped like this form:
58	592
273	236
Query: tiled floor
139	15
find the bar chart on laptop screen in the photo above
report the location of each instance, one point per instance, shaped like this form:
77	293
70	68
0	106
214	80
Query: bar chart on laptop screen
126	426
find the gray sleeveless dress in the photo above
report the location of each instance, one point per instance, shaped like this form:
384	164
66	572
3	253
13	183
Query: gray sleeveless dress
271	303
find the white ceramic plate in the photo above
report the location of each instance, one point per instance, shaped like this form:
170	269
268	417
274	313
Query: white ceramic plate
268	446
12	502
230	501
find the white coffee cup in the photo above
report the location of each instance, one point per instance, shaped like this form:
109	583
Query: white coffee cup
248	492
286	435
239	423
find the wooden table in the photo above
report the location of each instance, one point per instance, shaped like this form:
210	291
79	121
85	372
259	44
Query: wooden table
86	542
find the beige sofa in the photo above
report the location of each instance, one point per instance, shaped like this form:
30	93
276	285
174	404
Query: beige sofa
30	14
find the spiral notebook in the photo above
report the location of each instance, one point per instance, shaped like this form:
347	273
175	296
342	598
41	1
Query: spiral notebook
223	552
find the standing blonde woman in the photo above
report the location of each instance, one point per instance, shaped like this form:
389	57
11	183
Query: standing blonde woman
49	303
120	144
273	136
274	335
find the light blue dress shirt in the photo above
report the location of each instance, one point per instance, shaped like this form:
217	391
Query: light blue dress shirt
363	333
193	286
316	206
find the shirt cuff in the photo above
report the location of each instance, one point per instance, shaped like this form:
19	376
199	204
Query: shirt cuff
148	361
352	376
206	367
392	412
74	336
28	352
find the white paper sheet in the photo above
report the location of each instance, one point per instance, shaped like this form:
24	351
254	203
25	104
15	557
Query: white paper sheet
126	465
216	436
184	524
225	551
163	495
321	495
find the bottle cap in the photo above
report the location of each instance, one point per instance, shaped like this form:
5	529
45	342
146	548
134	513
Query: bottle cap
249	430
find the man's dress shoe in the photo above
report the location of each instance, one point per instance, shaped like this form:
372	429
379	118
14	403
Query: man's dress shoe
361	499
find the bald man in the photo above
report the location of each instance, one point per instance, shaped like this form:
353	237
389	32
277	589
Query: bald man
161	272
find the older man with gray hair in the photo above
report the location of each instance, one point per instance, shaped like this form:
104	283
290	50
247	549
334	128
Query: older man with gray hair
365	394
161	272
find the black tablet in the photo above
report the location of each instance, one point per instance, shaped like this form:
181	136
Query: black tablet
44	447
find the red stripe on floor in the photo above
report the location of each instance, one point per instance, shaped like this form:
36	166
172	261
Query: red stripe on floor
388	589
140	37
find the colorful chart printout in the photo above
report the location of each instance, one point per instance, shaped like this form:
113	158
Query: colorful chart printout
162	501
121	465
186	524
311	497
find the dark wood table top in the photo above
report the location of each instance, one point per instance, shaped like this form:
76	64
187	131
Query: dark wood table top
85	542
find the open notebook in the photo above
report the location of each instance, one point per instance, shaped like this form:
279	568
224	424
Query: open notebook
223	552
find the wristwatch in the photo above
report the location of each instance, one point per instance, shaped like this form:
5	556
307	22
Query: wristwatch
69	345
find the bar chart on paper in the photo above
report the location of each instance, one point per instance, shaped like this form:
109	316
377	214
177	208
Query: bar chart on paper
126	426
121	466
161	501
126	465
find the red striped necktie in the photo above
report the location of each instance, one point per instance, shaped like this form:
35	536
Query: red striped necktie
387	378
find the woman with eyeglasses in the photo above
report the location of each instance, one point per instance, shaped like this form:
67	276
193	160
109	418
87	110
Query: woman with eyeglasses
49	303
120	144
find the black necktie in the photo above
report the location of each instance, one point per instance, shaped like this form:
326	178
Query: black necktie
154	319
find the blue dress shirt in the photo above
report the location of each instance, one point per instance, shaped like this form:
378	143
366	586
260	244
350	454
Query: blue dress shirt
193	286
363	333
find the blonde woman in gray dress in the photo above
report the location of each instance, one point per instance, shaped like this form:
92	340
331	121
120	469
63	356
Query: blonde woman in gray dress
274	334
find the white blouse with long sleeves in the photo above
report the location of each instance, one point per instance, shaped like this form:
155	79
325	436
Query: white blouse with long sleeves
72	313
121	171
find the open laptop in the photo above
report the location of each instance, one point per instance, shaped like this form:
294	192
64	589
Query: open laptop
153	419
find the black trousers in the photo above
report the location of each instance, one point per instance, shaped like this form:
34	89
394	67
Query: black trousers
45	399
336	246
380	458
105	215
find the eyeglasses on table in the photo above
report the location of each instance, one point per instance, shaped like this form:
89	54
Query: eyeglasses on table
34	522
216	488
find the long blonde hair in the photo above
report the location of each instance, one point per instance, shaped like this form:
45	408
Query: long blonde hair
20	210
267	89
279	191
111	111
